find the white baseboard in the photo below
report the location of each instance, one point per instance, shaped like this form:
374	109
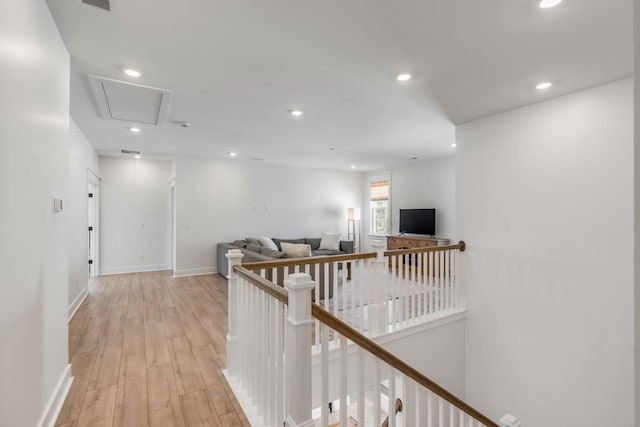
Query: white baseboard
75	305
134	269
194	271
54	405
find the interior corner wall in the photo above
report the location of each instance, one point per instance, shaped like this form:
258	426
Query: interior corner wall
545	204
224	200
33	243
82	158
426	184
135	215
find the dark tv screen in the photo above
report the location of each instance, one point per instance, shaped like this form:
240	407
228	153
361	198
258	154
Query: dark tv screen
418	221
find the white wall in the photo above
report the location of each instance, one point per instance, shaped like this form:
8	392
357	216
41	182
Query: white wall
636	180
216	201
33	248
426	184
545	204
135	215
82	156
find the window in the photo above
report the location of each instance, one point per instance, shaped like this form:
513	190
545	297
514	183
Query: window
379	202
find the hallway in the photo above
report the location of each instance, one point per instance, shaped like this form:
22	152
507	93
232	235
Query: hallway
148	350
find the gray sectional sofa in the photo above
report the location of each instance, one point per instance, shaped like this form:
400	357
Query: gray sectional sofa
256	253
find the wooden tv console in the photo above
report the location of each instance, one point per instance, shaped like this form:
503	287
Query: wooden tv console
412	242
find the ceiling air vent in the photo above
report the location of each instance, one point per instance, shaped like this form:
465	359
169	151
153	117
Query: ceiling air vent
123	151
130	102
100	4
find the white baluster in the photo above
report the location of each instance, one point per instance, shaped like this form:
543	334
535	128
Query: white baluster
324	373
235	257
361	379
392	397
378	310
298	351
376	400
343	380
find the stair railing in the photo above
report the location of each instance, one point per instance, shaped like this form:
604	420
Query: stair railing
269	364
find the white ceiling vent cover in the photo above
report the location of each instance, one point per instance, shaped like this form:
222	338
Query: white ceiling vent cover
130	102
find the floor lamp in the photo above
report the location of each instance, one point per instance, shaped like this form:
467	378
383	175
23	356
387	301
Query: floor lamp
353	227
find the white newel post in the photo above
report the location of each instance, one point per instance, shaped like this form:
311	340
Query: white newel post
298	351
234	256
378	310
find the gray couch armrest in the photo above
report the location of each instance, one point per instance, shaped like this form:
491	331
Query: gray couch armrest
347	246
222	261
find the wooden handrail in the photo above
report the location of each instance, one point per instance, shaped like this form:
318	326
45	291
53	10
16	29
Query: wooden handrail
308	260
461	246
263	284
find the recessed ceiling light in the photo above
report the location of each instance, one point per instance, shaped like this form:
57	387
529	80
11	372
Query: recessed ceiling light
543	85
414	158
233	154
454	145
353	166
403	77
135	130
137	156
131	72
546	4
296	113
332	149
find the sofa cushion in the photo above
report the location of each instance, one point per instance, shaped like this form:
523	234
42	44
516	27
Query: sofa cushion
296	250
330	241
240	243
254	248
314	242
279	241
253	240
273	254
266	241
324	252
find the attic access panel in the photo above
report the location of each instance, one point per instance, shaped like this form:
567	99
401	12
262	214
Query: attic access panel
130	102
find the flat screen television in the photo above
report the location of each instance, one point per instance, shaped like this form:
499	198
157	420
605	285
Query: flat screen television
418	221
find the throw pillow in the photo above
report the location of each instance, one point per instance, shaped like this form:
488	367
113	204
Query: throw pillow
240	243
254	248
278	241
252	240
271	253
296	250
330	241
265	241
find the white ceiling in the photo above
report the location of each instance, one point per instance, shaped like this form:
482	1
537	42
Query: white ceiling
237	66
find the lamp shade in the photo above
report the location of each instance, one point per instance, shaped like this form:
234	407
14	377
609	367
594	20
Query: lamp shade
353	214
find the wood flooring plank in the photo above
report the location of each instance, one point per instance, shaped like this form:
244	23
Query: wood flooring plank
135	309
131	402
81	368
172	324
197	410
208	362
151	311
188	377
216	333
230	419
107	368
116	320
134	342
193	330
156	344
165	409
98	407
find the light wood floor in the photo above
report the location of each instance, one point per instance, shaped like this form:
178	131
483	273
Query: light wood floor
147	350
